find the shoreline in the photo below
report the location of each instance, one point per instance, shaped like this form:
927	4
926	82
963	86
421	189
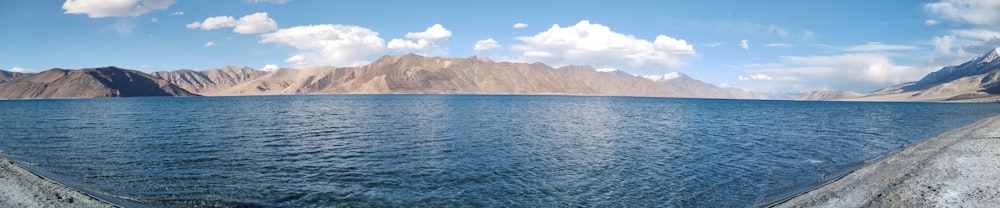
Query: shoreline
24	188
956	168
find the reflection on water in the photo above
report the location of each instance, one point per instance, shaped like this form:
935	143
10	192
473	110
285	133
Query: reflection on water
458	150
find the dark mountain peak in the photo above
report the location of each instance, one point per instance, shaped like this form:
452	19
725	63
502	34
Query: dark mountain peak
986	63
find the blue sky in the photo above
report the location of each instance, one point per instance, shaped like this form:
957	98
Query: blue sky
769	46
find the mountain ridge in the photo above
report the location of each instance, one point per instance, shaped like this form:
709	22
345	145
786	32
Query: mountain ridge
88	82
975	80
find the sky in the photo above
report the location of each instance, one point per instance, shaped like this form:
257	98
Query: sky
764	46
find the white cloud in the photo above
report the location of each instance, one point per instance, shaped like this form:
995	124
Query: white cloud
406	45
209	44
595	44
114	8
253	23
176	13
270	67
745	44
426	40
434	33
154	19
18	69
337	45
979	34
860	72
297	60
520	25
978	12
943	44
878	46
193	25
778	45
270	1
488	44
712	44
754	77
930	22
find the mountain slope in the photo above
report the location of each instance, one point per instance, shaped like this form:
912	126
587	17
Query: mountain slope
685	86
976	79
212	80
829	95
91	82
9	75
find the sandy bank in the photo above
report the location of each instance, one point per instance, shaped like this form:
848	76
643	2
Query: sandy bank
959	168
22	188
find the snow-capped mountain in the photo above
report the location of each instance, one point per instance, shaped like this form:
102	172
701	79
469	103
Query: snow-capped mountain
977	79
664	77
985	63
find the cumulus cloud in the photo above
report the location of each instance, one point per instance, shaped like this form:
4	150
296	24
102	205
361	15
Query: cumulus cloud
209	44
270	67
860	72
337	45
114	8
420	41
745	44
18	69
967	11
177	14
595	44
250	24
488	44
520	25
878	46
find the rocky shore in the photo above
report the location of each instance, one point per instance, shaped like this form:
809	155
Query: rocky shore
959	168
22	188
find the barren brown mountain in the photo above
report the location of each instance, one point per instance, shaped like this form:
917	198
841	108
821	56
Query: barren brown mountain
688	87
829	95
9	75
91	82
411	73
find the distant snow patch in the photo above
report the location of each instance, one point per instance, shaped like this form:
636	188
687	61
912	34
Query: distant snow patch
607	69
664	77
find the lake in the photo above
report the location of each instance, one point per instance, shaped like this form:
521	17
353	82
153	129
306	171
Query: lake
458	150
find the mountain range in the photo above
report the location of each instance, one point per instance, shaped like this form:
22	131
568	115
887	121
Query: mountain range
407	74
90	82
975	80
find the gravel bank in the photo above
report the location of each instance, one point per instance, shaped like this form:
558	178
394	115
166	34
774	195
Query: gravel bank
959	168
22	188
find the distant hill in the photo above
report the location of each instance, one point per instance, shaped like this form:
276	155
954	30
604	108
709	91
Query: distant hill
412	73
685	86
977	79
829	95
9	75
87	83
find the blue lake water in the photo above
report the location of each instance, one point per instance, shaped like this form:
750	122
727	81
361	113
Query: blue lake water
458	150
